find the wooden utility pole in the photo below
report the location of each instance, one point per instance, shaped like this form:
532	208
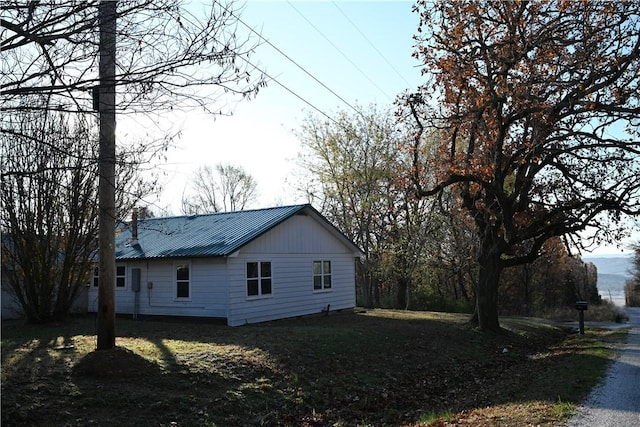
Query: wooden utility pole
107	171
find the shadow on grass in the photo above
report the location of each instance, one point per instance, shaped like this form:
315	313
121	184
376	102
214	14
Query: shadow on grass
383	368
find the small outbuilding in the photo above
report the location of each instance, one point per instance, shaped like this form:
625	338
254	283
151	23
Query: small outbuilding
247	266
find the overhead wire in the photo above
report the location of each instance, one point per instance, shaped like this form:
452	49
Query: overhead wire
371	44
291	60
340	51
296	64
291	92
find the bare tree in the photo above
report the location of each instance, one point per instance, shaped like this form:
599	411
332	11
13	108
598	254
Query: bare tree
222	188
351	171
237	187
202	193
170	55
49	214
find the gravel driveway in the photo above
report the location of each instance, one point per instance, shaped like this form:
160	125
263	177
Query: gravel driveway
616	402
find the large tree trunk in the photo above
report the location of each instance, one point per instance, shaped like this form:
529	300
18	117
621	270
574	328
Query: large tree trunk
486	312
402	293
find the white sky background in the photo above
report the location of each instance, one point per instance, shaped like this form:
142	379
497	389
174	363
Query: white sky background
333	42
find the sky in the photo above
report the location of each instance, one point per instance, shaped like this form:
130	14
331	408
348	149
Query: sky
360	50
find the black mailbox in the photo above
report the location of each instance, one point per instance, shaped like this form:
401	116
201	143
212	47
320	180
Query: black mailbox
582	306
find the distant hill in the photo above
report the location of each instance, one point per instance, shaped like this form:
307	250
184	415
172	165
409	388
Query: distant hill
611	280
618	265
613	272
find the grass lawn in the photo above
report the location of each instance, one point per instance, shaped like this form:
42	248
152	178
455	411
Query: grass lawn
376	368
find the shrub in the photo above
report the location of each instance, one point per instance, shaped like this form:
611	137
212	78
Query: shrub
603	312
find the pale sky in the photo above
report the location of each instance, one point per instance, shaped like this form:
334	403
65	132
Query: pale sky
361	50
332	41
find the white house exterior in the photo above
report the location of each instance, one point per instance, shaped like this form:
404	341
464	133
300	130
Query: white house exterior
10	307
246	266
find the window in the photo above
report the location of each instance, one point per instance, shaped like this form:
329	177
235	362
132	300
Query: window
182	281
321	275
121	276
258	278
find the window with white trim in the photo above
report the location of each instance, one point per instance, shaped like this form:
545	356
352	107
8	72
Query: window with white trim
121	276
259	280
321	275
183	281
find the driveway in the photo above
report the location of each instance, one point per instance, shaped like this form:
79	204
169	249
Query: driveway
616	401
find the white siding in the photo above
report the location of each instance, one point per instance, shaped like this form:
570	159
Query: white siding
219	288
300	234
123	296
208	292
80	303
291	248
10	306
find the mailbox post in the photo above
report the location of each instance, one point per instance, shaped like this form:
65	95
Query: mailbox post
581	306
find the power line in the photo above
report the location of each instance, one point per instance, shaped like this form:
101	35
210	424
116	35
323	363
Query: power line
340	51
296	64
292	92
371	44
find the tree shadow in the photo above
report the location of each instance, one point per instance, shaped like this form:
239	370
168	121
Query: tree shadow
349	369
115	363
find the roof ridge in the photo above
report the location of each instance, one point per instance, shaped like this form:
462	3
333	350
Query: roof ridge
299	205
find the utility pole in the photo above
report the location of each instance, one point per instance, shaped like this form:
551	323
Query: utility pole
107	173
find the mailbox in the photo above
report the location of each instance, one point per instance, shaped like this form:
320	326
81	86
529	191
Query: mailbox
582	305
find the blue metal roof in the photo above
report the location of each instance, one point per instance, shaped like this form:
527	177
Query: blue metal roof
211	235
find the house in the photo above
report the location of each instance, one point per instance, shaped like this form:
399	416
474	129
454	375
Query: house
9	305
247	266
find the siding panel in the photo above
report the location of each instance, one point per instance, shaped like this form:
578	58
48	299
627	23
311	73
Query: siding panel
298	235
208	292
292	284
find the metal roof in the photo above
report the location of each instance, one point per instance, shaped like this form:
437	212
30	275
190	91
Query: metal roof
210	235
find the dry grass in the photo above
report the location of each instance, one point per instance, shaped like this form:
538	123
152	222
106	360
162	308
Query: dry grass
377	368
605	312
